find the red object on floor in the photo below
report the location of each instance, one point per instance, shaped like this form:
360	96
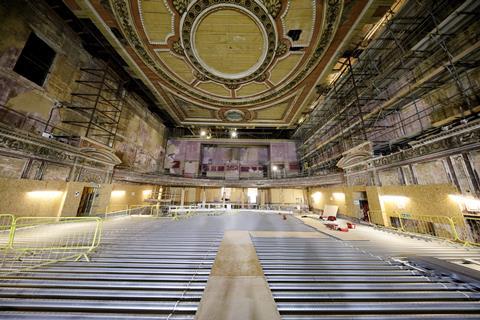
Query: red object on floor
351	225
342	229
332	226
331	218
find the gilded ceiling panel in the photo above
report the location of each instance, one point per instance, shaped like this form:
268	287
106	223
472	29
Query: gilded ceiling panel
157	20
284	67
251	89
277	112
215	89
177	66
233	57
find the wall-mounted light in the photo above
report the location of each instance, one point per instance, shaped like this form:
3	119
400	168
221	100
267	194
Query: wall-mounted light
274	168
233	133
44	194
338	196
147	193
317	196
467	202
118	193
203	132
399	201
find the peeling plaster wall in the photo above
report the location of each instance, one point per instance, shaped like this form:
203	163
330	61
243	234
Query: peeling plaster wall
141	135
17	20
432	172
141	138
389	177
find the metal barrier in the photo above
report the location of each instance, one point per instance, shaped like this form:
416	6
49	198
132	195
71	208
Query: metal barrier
6	224
145	210
220	208
129	210
114	211
442	227
38	241
469	231
437	226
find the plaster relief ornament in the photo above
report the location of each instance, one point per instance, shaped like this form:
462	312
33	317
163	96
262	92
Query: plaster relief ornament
181	5
177	48
273	6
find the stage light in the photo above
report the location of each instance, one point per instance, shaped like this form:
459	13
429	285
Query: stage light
233	133
203	133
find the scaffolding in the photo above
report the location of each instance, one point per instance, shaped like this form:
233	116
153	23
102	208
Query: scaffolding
97	105
381	90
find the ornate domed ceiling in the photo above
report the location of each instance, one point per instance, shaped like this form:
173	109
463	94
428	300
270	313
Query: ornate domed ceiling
228	62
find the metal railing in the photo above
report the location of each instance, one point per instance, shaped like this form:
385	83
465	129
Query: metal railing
469	231
132	210
229	207
32	242
464	230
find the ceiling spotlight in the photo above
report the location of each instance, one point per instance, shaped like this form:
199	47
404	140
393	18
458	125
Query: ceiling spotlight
233	133
203	133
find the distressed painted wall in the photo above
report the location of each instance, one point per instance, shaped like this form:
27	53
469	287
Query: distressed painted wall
141	134
22	197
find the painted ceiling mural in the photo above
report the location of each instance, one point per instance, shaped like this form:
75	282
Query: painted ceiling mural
228	62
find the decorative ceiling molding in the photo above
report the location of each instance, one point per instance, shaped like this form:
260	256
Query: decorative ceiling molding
187	74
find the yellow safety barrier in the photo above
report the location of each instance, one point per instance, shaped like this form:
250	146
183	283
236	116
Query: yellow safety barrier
39	241
6	225
442	227
469	231
437	226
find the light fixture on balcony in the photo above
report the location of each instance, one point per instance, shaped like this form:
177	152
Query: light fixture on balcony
274	168
203	133
233	133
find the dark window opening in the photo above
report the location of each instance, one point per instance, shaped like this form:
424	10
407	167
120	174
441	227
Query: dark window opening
296	48
35	60
294	34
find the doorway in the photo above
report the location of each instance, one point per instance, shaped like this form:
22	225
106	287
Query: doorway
252	195
86	202
361	206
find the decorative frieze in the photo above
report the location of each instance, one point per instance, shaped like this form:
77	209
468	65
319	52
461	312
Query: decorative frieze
87	163
447	145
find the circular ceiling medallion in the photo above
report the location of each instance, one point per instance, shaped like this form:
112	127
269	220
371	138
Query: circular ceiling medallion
221	48
229	43
234	115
